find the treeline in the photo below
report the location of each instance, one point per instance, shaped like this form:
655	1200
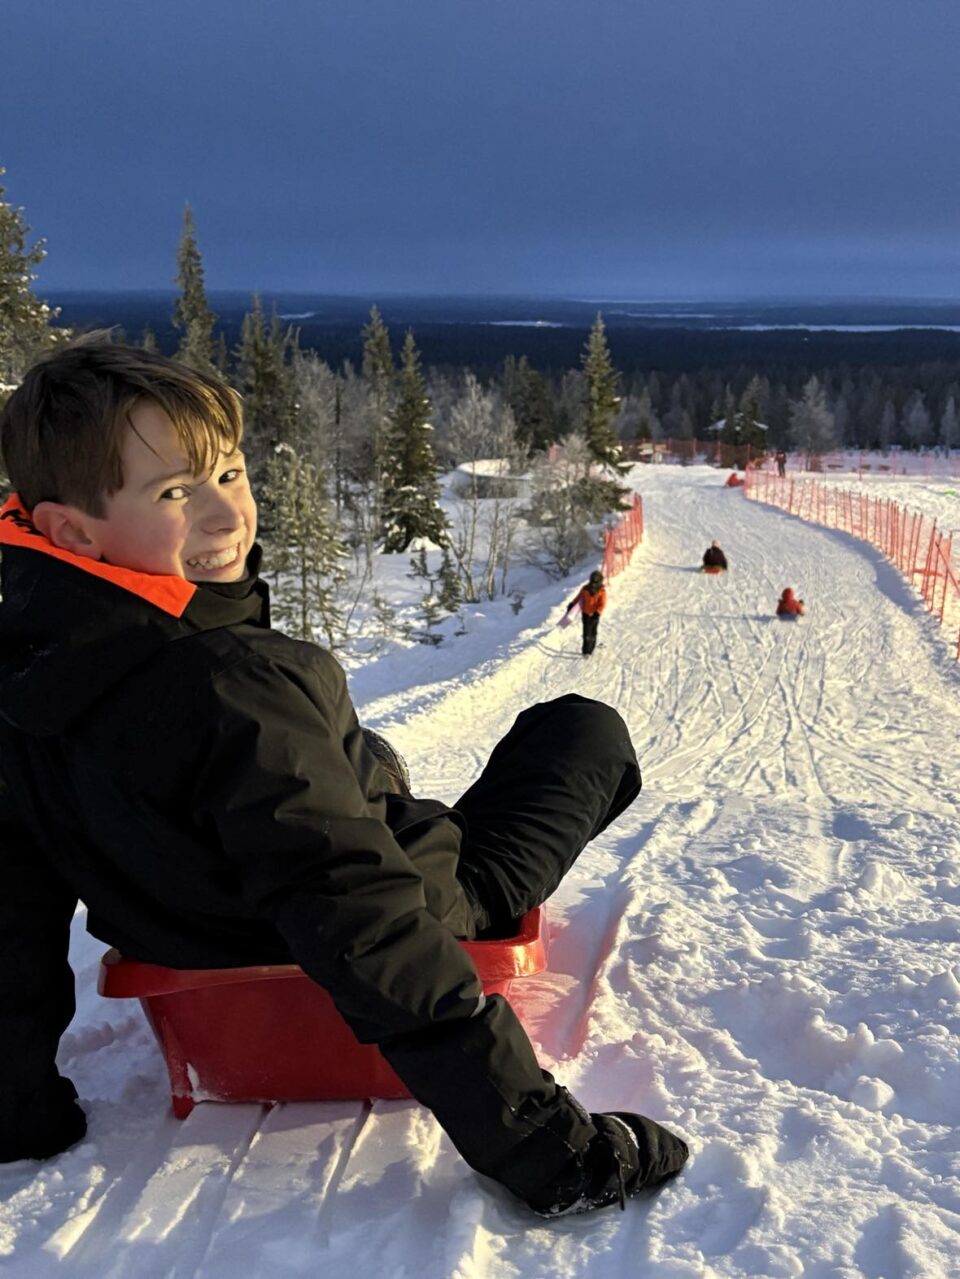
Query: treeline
345	456
813	409
345	461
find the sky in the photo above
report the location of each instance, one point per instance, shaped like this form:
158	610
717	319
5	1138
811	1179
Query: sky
616	149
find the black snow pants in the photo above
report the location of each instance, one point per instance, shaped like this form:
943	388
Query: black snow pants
591	623
563	772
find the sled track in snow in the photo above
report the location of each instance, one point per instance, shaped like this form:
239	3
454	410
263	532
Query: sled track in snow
794	854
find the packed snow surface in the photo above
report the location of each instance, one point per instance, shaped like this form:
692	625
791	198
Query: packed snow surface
764	953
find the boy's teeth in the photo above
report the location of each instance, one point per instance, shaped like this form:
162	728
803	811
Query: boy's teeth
215	561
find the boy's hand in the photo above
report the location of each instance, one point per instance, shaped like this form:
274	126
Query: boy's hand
629	1153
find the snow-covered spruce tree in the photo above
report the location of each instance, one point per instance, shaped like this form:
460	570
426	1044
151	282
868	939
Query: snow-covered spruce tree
751	413
886	426
411	495
949	432
264	377
731	419
306	554
191	314
570	404
379	371
602	407
915	421
811	422
25	321
603	402
560	510
379	381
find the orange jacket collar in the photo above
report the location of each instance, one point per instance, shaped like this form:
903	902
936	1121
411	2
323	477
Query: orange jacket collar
172	594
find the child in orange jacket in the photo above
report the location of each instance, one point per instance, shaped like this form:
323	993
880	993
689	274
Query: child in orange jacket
788	605
592	598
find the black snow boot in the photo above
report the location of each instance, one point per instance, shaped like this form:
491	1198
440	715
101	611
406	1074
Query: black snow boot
629	1154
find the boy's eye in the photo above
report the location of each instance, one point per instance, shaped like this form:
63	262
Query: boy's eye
175	494
228	476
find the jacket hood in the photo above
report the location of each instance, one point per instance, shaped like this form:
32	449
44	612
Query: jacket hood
71	628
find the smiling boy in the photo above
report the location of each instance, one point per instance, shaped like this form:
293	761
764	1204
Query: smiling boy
202	783
190	517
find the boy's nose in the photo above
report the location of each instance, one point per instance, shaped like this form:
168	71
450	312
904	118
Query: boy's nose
220	512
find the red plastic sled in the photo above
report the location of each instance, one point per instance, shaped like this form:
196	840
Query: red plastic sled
712	569
269	1033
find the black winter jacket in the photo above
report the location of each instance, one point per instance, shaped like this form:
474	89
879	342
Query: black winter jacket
201	783
713	557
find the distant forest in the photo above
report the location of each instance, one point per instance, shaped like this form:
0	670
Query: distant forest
879	388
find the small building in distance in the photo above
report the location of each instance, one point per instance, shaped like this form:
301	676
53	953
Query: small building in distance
486	477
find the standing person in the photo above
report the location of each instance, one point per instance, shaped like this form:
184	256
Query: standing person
788	605
202	783
781	460
714	559
592	598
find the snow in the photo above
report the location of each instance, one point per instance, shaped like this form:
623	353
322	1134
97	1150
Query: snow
526	324
764	953
494	467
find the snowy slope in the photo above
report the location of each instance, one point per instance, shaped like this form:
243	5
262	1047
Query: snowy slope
764	952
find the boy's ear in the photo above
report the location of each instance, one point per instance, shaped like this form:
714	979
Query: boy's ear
68	528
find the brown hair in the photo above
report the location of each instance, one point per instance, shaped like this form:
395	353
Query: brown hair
62	430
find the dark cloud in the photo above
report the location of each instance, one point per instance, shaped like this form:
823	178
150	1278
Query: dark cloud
619	146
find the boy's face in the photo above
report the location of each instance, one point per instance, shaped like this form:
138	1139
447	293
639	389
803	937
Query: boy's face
165	519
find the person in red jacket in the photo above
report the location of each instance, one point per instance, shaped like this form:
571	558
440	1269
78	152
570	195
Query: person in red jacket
592	598
788	605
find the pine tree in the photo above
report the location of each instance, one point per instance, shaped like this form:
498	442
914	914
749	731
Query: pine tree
948	424
885	429
916	421
411	494
648	424
25	322
378	367
450	593
731	420
528	396
603	403
380	375
265	379
811	422
191	314
306	553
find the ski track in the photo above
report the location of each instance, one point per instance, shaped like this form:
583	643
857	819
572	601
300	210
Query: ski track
764	952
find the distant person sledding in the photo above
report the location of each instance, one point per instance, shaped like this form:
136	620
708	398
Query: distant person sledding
734	480
592	598
789	608
714	560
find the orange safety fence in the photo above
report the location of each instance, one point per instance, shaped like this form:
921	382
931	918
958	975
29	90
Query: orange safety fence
911	540
620	541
